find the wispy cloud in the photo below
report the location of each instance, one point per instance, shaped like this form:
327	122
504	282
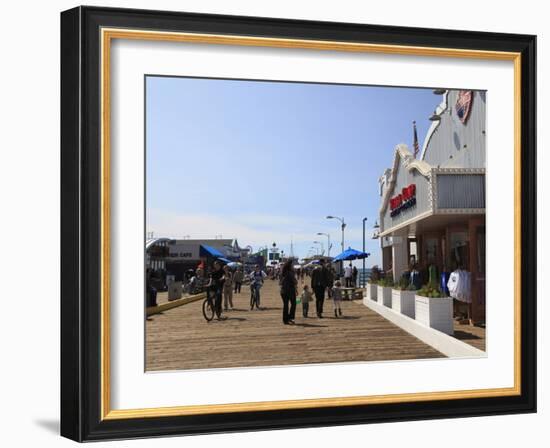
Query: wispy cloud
252	229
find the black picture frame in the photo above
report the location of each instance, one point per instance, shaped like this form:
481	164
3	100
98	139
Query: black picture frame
81	224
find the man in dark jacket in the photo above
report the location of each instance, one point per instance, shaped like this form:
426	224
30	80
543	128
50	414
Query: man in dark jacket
319	282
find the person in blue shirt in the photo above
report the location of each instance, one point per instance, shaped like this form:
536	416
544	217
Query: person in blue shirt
256	282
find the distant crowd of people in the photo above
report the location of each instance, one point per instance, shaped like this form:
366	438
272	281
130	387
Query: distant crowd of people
222	282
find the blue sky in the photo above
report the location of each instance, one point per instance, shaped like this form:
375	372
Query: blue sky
267	161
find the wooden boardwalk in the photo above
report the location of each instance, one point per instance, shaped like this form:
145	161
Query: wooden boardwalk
474	336
181	339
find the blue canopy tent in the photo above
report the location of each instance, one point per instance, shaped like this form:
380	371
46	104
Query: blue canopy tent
350	254
209	251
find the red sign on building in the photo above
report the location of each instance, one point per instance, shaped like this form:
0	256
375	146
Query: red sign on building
403	201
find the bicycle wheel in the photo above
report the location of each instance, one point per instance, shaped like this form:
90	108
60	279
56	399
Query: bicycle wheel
252	298
208	309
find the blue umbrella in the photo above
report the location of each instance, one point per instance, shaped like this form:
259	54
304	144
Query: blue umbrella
350	254
234	264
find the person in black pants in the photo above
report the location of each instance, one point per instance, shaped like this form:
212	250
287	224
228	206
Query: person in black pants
216	287
288	285
238	279
319	282
151	297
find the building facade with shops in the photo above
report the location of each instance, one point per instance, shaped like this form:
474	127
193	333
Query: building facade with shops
177	256
432	208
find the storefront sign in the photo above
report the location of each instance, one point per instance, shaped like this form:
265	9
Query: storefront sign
403	201
180	252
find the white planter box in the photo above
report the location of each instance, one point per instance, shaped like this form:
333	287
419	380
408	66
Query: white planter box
371	291
383	295
436	313
403	302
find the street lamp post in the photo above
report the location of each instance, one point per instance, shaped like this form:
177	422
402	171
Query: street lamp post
322	247
363	277
343	226
328	241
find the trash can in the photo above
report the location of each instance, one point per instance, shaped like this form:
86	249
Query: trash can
175	290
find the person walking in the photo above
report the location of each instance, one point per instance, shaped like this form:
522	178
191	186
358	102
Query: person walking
215	287
337	298
227	288
256	282
306	297
330	279
151	290
238	280
348	272
319	283
288	286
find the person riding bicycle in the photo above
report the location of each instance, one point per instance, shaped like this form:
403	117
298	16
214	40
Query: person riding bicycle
256	282
215	287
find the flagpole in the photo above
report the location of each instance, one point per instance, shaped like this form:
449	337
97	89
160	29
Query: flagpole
415	140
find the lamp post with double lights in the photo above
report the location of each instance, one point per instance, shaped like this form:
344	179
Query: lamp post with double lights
343	226
328	241
322	246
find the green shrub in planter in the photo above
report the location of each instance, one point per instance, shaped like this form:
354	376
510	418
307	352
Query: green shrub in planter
430	291
387	282
402	285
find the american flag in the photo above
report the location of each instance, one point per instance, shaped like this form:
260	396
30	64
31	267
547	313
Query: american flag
415	142
464	105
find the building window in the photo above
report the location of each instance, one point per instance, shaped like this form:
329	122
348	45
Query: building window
458	250
431	250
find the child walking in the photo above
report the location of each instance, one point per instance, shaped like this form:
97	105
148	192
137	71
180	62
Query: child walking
306	297
337	298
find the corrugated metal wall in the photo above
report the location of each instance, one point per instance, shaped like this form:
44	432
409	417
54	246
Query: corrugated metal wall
457	145
460	190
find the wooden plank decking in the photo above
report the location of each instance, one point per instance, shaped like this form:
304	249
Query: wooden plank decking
474	336
180	338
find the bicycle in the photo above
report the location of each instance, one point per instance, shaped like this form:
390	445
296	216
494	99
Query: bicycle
208	307
255	296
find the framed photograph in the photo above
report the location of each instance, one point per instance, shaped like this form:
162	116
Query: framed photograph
273	223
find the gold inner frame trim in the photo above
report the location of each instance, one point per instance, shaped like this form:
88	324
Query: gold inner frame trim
107	35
